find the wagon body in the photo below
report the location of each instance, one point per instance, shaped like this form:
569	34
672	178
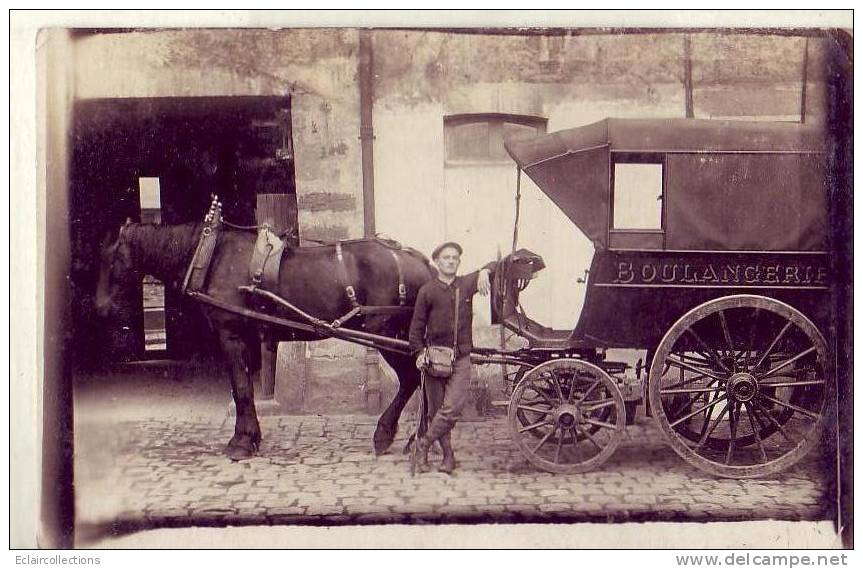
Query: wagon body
744	210
725	282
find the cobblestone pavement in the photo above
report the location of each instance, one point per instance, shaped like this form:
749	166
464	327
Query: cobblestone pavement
320	470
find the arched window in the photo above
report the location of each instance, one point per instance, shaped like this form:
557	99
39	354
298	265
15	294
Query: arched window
472	138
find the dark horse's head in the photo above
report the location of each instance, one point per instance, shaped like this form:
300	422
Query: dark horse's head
117	273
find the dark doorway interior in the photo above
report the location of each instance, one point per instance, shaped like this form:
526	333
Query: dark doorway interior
187	149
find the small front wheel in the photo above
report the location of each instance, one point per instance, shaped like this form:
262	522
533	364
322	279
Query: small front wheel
567	416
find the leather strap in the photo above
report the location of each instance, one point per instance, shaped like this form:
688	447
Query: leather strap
200	265
403	291
266	259
455	325
343	271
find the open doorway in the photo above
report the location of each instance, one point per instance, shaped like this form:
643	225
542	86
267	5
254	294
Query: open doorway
159	160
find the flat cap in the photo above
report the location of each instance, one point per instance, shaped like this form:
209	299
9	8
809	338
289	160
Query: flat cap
443	246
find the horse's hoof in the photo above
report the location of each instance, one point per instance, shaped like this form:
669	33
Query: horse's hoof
236	453
382	441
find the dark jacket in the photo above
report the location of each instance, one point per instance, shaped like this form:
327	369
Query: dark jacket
432	323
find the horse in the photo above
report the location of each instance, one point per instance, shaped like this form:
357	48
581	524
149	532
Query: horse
309	278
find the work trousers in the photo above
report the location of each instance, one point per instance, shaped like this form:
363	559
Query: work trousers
447	397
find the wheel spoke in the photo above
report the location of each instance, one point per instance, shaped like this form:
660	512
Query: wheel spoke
597	423
684	365
788	362
755	432
716	421
685	405
587	435
690	390
601	404
752	331
697	411
544	397
801	410
534	401
544	439
702	360
772	344
706	422
590	390
732	411
571	390
535	409
709	350
559	446
690	380
533	426
727	335
705	357
773	420
557	387
792	383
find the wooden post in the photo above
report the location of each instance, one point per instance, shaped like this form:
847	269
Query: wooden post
687	76
279	211
366	79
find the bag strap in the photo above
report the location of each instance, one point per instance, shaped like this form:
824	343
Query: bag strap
455	325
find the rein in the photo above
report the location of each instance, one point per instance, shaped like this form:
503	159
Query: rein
227	223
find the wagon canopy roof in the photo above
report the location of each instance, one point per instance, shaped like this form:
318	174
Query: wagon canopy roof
669	135
727	185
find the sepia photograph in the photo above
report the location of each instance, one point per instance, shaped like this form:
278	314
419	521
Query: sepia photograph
416	275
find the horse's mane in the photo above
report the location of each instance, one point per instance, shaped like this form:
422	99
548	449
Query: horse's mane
162	245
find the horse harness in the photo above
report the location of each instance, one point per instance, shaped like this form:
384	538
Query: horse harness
264	268
199	267
351	293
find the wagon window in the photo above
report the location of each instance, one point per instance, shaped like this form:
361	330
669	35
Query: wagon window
479	137
637	196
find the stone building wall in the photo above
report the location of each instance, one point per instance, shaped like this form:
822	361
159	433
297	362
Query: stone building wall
318	70
422	77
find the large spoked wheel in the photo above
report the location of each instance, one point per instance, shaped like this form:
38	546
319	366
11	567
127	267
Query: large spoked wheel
741	386
567	416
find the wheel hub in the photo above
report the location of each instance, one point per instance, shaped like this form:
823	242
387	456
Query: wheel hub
567	416
742	387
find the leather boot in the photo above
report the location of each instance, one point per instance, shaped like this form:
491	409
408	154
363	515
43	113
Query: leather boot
420	455
448	463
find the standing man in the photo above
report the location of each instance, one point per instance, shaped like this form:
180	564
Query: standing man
433	325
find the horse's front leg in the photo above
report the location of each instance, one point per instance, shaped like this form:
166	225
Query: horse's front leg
247	431
409	380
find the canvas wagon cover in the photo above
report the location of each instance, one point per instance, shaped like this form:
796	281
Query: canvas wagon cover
729	185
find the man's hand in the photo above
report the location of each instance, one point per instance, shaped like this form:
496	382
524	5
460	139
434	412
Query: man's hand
482	283
422	360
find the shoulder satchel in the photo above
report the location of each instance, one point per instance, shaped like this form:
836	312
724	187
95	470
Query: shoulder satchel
440	359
